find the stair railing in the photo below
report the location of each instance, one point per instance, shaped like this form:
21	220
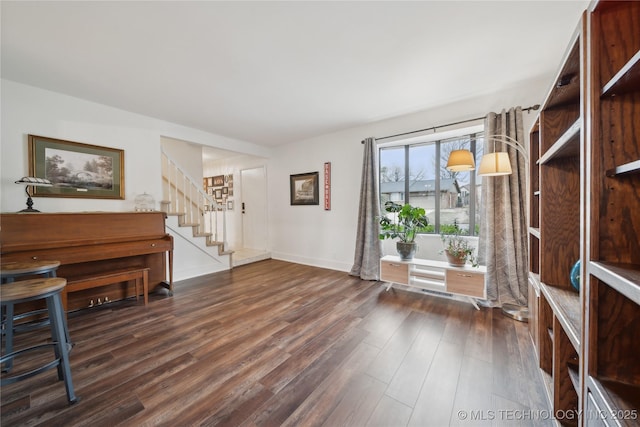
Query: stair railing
185	195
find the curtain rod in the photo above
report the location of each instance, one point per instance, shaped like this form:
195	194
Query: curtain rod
533	107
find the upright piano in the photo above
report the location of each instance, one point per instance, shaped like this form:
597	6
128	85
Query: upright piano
92	243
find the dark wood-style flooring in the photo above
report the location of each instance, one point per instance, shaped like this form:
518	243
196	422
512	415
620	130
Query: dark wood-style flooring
281	344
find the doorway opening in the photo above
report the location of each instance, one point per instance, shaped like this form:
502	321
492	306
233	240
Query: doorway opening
253	211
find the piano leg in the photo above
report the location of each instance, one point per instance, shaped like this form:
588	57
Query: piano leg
169	285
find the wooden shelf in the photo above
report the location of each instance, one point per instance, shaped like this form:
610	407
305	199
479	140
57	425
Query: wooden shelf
628	168
548	384
566	87
427	274
568	145
535	232
426	284
626	80
618	398
536	280
574	375
566	307
624	278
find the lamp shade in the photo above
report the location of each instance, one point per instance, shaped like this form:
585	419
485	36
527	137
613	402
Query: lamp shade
461	161
495	164
35	182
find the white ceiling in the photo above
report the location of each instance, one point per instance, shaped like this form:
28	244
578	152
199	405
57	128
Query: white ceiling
278	72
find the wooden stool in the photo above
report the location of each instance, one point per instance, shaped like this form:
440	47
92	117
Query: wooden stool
48	289
9	271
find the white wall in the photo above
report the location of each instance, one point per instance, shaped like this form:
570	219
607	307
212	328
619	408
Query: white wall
304	234
311	235
29	110
185	154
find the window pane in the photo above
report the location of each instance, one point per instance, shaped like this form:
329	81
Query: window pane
417	174
455	189
422	179
478	184
392	173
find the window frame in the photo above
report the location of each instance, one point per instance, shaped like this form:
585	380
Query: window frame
475	134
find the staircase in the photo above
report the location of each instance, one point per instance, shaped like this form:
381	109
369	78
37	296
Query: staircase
198	218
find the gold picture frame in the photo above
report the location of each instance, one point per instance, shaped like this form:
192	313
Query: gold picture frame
76	170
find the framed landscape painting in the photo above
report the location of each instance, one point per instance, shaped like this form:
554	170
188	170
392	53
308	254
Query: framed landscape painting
76	169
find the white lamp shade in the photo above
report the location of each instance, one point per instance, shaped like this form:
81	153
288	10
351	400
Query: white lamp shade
495	164
461	161
34	182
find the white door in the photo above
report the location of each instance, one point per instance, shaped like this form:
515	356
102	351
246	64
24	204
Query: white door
254	208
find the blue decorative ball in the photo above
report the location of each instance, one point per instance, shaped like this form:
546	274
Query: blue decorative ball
575	276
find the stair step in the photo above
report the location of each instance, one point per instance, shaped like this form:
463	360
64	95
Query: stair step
185	219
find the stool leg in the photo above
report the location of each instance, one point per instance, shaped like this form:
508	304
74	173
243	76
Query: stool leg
52	273
8	332
59	336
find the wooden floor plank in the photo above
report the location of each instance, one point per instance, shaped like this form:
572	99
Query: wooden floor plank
408	379
510	373
358	402
277	343
392	355
334	389
478	343
289	398
389	412
473	394
436	398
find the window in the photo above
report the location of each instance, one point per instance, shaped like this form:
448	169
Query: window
413	171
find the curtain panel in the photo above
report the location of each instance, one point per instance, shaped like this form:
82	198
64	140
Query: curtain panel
366	262
503	246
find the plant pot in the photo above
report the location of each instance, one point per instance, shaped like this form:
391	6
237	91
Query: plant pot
406	250
455	261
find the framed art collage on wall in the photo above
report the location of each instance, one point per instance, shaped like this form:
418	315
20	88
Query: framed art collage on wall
220	188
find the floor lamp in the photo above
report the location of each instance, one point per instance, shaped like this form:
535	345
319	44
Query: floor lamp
493	164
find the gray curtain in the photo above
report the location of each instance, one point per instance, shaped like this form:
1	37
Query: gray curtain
502	246
366	261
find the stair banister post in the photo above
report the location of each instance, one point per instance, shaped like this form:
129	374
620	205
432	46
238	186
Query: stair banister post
175	200
224	228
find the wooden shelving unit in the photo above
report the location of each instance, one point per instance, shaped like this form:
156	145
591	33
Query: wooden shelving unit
556	147
612	246
585	204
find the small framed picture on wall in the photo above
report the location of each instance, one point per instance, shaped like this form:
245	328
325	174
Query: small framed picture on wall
304	189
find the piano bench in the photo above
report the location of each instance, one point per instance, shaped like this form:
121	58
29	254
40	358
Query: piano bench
140	274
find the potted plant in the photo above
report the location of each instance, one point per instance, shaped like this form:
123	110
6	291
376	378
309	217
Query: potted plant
457	248
404	223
